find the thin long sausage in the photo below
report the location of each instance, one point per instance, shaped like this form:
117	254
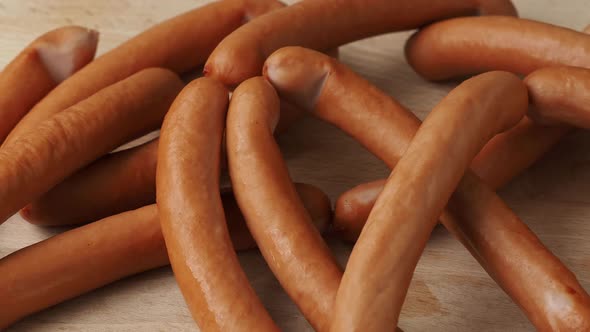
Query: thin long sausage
92	256
383	261
39	68
454	48
35	162
180	44
327	24
560	95
292	247
206	267
532	276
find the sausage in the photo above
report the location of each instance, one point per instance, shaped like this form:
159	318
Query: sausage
34	163
118	182
196	33
327	24
415	194
515	258
92	256
454	48
292	247
560	95
208	272
41	66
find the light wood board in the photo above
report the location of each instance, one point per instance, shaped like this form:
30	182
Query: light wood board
450	291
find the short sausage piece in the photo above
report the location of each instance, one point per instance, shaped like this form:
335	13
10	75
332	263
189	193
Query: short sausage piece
292	247
382	263
34	163
516	259
89	257
195	33
454	48
560	95
39	68
206	267
327	24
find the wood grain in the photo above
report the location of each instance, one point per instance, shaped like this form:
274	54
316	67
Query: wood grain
450	291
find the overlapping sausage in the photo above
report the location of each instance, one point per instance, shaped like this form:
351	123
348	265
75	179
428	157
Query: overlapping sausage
39	68
179	44
382	263
35	162
327	24
293	248
206	267
506	248
89	257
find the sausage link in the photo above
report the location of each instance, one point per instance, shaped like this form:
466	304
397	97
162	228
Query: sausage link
560	95
292	247
195	33
454	48
416	193
327	24
481	221
206	267
34	163
92	256
39	68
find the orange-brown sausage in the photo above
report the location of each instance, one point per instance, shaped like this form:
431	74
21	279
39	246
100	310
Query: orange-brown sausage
35	162
454	48
41	66
102	252
383	261
327	24
546	290
292	247
206	267
560	95
179	44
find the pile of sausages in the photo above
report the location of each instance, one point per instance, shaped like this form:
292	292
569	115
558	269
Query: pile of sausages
60	125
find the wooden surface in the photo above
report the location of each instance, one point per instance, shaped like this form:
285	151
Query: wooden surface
450	291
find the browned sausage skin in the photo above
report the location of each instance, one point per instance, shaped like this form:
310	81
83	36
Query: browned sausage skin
197	31
89	257
293	248
415	194
454	48
206	267
327	24
501	242
36	161
39	68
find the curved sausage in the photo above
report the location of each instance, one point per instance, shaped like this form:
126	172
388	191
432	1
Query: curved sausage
92	256
206	267
516	259
39	68
292	247
327	24
383	261
34	163
454	48
195	33
560	95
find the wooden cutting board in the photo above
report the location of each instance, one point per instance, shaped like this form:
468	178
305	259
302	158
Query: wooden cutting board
450	291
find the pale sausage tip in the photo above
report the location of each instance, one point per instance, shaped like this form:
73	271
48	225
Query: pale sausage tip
298	74
587	29
64	51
